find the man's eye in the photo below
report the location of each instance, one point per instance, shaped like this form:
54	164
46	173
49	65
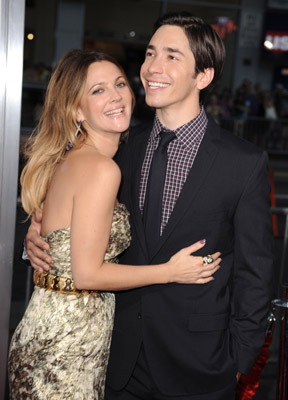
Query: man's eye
149	54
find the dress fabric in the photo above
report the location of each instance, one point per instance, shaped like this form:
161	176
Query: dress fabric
61	346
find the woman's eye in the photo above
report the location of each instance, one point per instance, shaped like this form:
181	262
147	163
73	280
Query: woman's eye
149	54
97	91
121	84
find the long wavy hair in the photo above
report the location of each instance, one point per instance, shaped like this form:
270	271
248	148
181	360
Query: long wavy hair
48	143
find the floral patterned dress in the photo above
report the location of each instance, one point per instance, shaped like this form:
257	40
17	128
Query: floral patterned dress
60	348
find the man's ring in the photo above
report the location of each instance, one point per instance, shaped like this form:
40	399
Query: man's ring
207	260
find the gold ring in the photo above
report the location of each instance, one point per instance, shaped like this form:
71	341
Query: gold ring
207	259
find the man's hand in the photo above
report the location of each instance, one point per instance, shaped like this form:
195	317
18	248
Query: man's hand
35	245
238	375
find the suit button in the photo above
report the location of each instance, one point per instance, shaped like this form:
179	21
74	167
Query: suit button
139	315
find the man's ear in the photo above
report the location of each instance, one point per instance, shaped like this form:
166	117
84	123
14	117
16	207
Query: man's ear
205	78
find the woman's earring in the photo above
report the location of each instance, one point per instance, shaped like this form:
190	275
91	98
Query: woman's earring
69	146
79	123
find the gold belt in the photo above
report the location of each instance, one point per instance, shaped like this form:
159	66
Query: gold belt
58	284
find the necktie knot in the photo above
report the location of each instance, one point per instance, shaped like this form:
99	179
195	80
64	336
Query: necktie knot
165	138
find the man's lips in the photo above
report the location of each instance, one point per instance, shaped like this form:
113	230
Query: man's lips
157	85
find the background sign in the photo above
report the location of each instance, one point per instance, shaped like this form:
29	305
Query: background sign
251	29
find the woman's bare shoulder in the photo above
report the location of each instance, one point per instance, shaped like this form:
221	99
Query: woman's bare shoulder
90	166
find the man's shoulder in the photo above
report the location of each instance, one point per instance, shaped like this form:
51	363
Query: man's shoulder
140	129
233	143
138	135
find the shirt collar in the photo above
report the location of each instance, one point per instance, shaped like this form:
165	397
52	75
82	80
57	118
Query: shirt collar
189	134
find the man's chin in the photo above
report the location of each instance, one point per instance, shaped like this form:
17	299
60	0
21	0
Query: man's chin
154	103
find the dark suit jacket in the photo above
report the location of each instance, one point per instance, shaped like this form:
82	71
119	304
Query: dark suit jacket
196	337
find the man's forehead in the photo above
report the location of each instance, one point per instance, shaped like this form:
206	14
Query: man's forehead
170	38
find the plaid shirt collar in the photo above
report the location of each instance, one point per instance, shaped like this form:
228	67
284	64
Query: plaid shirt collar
188	134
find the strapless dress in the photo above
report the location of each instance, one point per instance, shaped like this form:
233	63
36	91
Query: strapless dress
60	348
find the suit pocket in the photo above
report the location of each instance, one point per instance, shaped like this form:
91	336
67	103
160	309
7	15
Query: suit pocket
208	322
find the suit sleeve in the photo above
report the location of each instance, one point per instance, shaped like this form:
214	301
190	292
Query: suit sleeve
253	266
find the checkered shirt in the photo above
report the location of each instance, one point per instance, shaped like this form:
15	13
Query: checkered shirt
181	155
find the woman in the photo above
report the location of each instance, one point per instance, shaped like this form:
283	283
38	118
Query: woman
60	348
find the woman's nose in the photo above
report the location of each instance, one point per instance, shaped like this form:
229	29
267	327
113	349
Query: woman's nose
115	95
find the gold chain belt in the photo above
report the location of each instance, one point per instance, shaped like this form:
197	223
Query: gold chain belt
58	284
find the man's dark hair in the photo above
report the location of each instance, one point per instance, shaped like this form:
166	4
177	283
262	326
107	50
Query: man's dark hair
205	43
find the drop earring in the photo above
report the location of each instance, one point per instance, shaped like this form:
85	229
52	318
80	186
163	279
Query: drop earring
79	123
69	145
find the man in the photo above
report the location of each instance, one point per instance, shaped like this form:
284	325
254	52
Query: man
191	342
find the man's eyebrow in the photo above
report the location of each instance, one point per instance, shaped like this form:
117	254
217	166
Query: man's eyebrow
172	50
167	49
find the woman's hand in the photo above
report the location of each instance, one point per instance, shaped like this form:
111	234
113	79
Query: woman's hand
186	268
35	246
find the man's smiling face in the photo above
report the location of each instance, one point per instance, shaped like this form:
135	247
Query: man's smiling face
168	72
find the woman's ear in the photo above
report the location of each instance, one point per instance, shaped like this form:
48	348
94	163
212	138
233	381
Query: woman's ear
79	115
205	78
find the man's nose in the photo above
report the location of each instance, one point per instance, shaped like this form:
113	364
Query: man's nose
156	65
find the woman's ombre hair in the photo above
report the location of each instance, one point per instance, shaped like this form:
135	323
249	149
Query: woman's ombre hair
48	143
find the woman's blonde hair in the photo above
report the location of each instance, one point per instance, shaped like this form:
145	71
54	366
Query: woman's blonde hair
58	124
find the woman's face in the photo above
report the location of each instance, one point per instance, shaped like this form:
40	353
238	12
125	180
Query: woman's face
106	103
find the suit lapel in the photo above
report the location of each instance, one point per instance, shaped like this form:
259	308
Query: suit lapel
137	154
196	178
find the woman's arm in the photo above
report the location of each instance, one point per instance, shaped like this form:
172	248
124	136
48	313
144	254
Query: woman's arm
93	207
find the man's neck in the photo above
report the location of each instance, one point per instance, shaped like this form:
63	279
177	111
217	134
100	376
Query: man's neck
172	120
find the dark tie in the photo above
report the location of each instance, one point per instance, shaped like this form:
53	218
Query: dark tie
152	212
